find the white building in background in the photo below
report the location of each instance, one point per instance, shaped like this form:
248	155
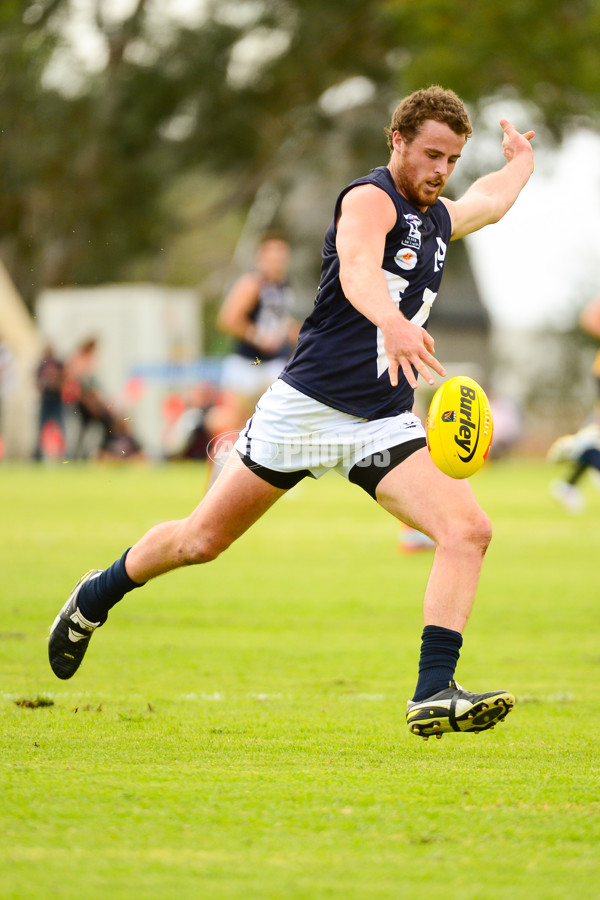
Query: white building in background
149	342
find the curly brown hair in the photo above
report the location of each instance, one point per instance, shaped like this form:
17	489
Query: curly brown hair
434	102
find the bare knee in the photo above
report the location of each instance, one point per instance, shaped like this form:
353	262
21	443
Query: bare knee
481	531
193	549
470	532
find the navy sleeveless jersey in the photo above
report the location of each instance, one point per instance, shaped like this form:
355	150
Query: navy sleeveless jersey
340	358
271	315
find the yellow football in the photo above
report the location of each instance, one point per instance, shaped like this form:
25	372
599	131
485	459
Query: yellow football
459	427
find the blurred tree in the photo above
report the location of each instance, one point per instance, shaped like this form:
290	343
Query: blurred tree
545	53
87	155
236	102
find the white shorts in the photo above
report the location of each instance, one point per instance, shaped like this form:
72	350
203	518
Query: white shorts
240	376
292	433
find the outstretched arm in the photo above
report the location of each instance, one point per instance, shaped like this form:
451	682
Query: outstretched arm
235	314
491	196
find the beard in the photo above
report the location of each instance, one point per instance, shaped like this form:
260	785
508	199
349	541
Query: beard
418	193
422	194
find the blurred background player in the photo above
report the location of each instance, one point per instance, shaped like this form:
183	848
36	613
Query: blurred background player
580	450
50	376
257	313
186	434
88	411
97	430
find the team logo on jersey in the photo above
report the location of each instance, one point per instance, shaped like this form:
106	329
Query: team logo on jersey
406	259
413	238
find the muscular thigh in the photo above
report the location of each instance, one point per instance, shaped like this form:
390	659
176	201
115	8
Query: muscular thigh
236	500
416	492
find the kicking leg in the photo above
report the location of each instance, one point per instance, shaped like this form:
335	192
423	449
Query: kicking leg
237	499
417	493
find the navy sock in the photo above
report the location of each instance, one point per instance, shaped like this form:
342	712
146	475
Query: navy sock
589	458
99	595
579	468
440	649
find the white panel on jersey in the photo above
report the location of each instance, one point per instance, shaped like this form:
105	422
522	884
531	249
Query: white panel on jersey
422	314
396	285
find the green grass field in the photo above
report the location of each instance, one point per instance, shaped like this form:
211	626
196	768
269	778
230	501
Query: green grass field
238	731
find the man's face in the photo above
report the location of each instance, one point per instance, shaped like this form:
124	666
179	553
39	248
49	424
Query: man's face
273	259
422	167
